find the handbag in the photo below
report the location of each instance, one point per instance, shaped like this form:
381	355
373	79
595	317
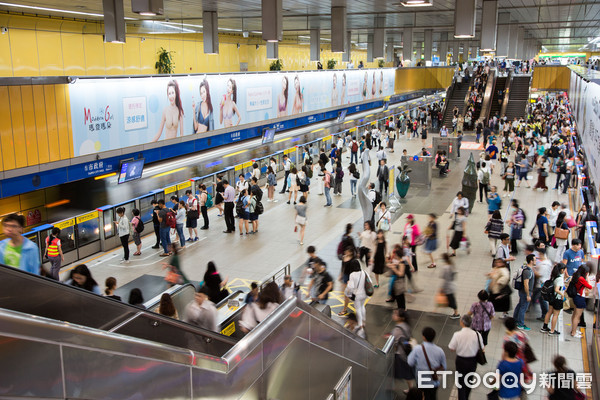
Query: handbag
480	356
562	234
369	289
528	354
383	224
571	222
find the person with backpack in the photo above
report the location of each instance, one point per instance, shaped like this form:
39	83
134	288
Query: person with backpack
138	228
354	151
402	333
339	179
523	283
203	201
553	291
576	290
483	179
165	226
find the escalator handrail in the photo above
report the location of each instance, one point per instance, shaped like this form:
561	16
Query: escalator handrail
288	308
155	301
41	329
449	94
488	96
508	88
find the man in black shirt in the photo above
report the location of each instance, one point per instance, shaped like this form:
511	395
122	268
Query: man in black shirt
156	223
321	284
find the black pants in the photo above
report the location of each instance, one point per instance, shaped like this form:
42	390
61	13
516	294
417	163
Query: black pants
229	220
464	365
157	233
125	244
204	211
287	173
484	336
558	180
401	301
383	187
414	258
483	187
430	394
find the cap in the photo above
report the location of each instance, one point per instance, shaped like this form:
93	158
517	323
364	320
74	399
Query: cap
410	216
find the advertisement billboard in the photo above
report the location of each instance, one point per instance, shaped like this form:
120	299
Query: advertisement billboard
109	114
590	129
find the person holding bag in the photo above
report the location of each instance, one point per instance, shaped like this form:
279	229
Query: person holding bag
482	312
301	218
459	226
383	217
412	231
402	333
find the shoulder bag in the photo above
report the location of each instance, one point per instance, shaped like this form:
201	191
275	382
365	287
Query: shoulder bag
480	356
562	234
193	214
434	377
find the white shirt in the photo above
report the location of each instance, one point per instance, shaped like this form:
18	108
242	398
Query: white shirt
290	291
381	155
180	215
204	316
552	216
192	203
371	195
356	285
544	270
456	203
240	186
253	314
287	164
466	343
368	239
256	173
481	172
123	226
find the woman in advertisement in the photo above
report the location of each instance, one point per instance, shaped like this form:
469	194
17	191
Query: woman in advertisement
172	115
381	84
203	119
282	99
373	86
365	86
298	97
228	105
343	89
334	92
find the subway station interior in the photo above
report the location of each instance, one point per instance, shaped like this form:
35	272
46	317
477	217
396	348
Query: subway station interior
302	199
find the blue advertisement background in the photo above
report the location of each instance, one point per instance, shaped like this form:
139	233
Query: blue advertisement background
109	114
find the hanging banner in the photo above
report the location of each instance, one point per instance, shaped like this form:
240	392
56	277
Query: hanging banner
109	114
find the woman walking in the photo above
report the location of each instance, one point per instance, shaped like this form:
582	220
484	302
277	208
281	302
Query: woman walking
459	226
293	178
339	178
368	243
509	179
482	312
301	218
380	257
494	228
449	286
498	288
412	231
562	230
430	233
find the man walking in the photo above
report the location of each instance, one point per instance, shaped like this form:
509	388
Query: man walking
466	343
228	199
16	250
524	284
427	358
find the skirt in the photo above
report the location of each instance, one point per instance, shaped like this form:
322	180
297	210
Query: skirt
401	368
456	238
501	301
430	246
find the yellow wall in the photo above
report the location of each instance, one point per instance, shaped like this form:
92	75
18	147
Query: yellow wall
418	78
551	77
48	47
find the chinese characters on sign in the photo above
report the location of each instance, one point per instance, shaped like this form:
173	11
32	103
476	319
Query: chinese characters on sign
259	98
134	113
95	168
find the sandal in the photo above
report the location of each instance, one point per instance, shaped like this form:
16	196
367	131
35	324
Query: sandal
343	313
431	266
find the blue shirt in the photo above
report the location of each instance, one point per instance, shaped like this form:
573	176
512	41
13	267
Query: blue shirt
574	260
540	224
494	203
505	367
437	359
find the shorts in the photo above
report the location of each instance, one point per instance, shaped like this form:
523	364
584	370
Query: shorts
245	216
579	301
136	238
252	216
523	175
556	304
191	222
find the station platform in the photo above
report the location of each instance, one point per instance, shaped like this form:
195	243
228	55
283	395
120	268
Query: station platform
248	258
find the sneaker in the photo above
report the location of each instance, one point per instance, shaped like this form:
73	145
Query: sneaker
189	240
155	246
545	329
577	335
196	238
555	333
524	328
454	316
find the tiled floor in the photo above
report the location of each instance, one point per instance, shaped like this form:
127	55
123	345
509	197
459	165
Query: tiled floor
252	257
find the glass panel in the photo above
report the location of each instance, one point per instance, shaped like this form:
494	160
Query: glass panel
88	232
263	165
109	227
209	182
128	209
43	236
146	209
67	239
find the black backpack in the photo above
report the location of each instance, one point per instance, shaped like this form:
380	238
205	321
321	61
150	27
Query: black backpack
239	206
377	197
139	228
547	290
572	289
257	191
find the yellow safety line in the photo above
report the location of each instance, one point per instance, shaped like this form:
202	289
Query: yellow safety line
282	140
236	153
586	362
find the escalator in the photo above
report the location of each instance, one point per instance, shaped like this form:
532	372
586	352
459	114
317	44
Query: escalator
499	91
115	351
517	97
456	98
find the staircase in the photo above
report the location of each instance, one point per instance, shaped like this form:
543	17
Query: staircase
457	99
518	96
496	107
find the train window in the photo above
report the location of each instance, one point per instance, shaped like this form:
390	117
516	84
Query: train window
88	232
209	183
42	244
67	239
146	208
109	226
128	209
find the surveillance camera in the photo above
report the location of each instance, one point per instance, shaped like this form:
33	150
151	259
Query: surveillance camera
4	29
245	34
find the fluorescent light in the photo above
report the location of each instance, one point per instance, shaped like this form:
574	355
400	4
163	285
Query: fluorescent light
51	9
463	36
417	3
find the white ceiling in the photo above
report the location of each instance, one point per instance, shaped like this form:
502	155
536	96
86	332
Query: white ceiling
556	24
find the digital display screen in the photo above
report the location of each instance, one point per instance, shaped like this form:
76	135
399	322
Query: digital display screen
342	115
131	170
386	105
268	135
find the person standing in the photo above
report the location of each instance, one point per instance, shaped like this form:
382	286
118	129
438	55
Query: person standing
383	176
412	231
573	257
482	313
428	358
509	368
180	217
524	284
557	299
228	199
165	230
582	286
219	189
327	178
483	179
138	228
54	252
287	165
542	272
466	343
123	230
380	256
192	216
156	223
202	199
301	217
271	184
355	290
430	233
